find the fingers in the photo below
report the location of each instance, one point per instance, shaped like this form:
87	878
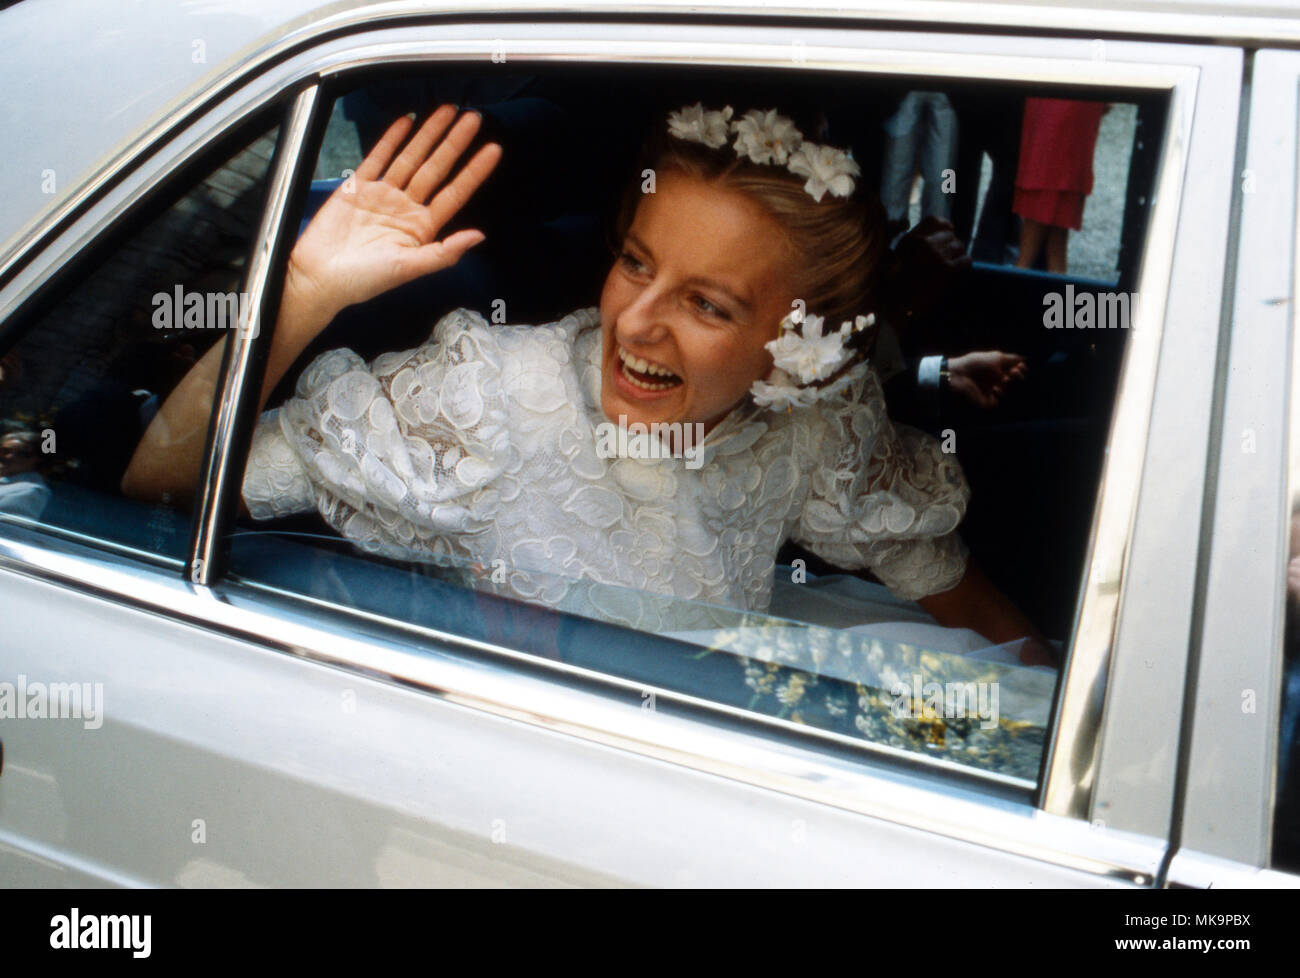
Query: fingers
982	376
376	160
430	155
1018	370
1009	361
454	196
1008	366
433	171
417	150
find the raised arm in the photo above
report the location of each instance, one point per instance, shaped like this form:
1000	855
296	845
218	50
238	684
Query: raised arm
377	231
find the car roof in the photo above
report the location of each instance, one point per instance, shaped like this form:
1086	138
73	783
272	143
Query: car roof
83	79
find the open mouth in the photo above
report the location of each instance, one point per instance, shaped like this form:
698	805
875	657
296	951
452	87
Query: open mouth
644	374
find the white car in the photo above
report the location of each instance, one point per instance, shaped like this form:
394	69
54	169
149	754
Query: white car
191	698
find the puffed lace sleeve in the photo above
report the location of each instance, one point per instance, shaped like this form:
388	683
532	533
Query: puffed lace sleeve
275	482
883	496
407	445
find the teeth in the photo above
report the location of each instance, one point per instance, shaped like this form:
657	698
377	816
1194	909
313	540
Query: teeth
646	367
648	387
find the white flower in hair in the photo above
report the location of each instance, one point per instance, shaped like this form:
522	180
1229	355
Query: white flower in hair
804	354
809	354
779	391
766	137
833	390
826	168
695	124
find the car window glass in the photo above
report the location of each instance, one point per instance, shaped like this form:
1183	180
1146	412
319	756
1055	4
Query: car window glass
438	452
87	364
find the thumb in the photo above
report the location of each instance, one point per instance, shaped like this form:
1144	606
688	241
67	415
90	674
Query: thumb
434	257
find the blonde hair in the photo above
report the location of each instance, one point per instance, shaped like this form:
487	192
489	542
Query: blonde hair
838	242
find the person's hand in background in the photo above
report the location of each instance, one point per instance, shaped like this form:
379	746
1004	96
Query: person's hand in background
981	377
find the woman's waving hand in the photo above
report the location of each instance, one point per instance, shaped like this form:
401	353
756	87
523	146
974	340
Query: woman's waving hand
377	231
380	228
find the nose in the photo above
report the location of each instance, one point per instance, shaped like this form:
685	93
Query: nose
642	322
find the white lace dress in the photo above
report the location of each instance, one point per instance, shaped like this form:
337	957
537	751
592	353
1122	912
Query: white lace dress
482	446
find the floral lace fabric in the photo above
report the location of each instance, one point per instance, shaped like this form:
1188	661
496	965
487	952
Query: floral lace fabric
482	446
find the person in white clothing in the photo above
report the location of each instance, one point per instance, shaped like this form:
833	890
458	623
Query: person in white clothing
733	331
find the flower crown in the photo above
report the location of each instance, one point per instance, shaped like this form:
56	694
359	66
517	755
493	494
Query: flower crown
766	137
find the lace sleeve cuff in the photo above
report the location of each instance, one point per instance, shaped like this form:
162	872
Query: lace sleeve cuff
919	568
275	483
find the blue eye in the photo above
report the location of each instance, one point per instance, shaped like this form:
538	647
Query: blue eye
707	307
630	262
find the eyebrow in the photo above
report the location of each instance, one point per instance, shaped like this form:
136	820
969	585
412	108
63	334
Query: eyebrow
735	297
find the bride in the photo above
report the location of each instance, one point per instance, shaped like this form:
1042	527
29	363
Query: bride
734	310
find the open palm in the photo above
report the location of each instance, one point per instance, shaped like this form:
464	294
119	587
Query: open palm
380	228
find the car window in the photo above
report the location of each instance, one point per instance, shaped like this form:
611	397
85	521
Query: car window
440	452
86	365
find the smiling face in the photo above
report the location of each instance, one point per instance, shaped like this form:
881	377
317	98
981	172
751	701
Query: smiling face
703	280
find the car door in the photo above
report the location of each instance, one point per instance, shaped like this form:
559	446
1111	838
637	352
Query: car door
1236	817
260	732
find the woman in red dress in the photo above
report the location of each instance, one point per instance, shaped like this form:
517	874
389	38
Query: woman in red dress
1057	141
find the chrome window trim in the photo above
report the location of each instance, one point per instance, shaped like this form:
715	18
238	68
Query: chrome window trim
1232	755
176	564
234	390
909	797
1177	21
1136	765
1072	756
1154	67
